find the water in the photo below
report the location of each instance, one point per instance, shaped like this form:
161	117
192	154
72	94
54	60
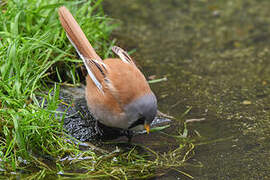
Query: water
215	55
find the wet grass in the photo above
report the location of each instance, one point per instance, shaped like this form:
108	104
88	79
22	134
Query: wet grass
35	56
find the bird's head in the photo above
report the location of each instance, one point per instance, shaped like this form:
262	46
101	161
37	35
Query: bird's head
142	112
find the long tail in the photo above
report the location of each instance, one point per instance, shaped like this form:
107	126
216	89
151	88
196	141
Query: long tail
92	61
76	35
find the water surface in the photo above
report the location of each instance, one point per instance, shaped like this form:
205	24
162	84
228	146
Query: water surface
215	55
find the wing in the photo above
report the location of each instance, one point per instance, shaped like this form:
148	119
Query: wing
97	71
122	54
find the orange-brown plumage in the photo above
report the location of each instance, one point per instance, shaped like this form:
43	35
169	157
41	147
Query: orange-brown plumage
117	93
76	35
129	84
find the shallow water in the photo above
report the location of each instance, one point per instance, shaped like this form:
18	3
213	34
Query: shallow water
215	55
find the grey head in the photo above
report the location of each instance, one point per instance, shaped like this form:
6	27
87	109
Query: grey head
142	111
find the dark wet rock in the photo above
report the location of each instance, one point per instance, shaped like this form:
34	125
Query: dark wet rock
80	123
78	120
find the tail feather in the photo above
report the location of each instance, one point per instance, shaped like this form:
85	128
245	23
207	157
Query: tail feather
83	47
76	35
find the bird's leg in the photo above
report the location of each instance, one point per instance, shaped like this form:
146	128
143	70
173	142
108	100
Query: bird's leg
129	135
97	128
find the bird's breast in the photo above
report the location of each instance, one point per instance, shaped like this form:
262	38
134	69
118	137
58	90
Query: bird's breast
124	85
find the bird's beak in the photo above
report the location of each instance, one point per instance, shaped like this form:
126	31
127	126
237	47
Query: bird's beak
147	128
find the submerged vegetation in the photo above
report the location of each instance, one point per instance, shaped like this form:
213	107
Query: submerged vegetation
35	56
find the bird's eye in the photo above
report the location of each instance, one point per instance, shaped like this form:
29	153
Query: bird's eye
138	122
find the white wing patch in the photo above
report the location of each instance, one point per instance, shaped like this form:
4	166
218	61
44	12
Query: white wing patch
91	74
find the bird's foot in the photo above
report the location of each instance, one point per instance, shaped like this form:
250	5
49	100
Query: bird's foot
129	134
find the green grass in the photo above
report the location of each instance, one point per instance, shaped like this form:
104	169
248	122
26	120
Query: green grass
35	55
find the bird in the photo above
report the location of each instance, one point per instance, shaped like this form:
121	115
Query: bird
117	93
